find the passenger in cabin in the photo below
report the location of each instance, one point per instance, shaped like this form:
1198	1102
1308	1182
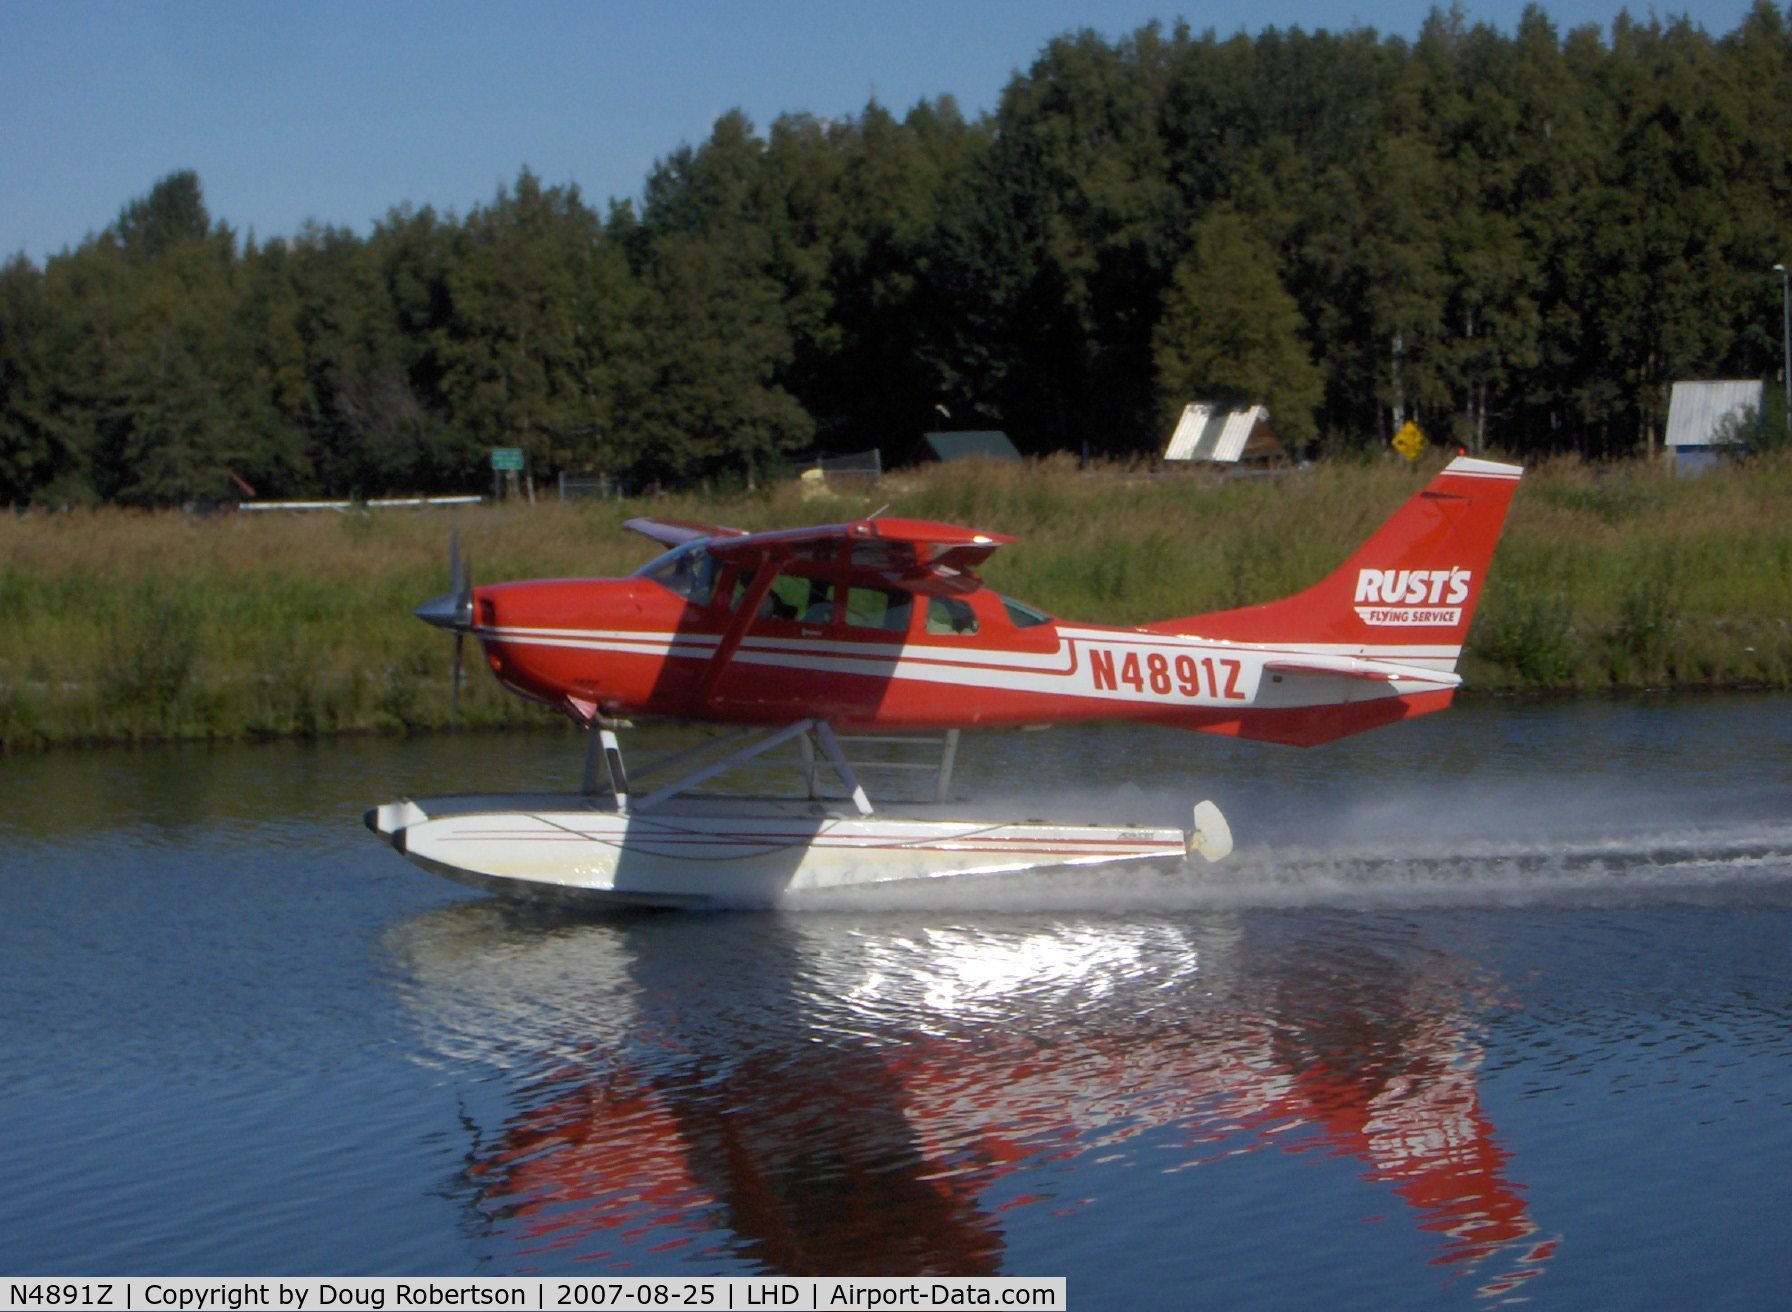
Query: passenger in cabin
780	601
950	615
821	602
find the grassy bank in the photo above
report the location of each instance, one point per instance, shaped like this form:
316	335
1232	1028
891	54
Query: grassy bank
120	625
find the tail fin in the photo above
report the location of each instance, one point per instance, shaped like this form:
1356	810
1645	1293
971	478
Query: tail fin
1407	594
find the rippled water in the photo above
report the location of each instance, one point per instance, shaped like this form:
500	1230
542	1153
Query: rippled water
1494	1007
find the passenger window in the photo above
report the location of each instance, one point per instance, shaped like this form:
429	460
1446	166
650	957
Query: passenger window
878	608
950	615
789	598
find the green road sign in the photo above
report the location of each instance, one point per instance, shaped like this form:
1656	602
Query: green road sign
507	458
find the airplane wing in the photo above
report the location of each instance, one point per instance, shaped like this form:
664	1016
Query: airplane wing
909	547
677	532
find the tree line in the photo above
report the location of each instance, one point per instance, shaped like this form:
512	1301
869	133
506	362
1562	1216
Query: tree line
1517	240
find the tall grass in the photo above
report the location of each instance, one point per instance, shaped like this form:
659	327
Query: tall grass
124	625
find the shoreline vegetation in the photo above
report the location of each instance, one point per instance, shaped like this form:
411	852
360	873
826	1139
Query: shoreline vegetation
129	626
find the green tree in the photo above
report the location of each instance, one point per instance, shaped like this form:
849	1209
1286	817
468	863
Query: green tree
718	327
880	382
166	430
171	215
538	328
90	294
713	342
1230	332
35	445
375	319
1064	238
171	406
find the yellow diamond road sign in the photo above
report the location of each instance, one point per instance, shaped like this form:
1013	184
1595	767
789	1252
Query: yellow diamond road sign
1409	441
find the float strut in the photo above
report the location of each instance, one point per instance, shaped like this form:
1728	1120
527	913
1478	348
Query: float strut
613	760
602	745
830	747
593	752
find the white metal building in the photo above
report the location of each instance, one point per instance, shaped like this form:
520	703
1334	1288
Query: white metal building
1696	420
1208	432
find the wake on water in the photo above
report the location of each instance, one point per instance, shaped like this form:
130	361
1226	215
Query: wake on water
1723	867
1512	847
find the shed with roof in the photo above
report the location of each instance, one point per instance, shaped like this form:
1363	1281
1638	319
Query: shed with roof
988	444
1215	434
1704	417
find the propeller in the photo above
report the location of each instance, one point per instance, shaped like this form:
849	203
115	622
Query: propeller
453	611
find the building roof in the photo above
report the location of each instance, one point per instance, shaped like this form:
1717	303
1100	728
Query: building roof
1206	432
1697	410
991	445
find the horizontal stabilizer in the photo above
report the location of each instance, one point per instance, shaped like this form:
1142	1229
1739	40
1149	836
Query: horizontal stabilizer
1354	667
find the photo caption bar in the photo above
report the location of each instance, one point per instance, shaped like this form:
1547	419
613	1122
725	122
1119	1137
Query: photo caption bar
574	1294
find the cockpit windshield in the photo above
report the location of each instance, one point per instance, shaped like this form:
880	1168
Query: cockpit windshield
689	570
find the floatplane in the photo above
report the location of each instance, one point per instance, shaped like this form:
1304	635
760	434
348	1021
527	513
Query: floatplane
854	632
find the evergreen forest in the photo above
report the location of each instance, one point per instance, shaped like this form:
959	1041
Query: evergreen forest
1519	239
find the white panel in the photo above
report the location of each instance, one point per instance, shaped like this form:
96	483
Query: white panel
1188	431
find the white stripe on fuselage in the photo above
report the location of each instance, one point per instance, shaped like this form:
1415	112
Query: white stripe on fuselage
1125	658
1433	656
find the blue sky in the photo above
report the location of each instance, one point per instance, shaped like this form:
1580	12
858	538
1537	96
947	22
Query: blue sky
337	110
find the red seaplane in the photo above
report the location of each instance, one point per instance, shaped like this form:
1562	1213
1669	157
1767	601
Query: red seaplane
881	626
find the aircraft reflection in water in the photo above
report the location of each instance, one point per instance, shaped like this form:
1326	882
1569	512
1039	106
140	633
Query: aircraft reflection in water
813	1097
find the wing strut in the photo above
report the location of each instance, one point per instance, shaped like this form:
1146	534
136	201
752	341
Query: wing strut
744	611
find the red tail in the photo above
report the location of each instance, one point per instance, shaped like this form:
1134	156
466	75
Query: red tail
1409	591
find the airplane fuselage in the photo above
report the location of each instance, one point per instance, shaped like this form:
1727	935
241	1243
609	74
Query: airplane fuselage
884	624
866	652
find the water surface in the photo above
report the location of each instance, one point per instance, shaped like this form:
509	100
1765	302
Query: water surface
1493	1007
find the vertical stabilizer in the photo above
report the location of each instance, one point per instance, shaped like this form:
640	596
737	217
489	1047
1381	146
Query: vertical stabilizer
1407	594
